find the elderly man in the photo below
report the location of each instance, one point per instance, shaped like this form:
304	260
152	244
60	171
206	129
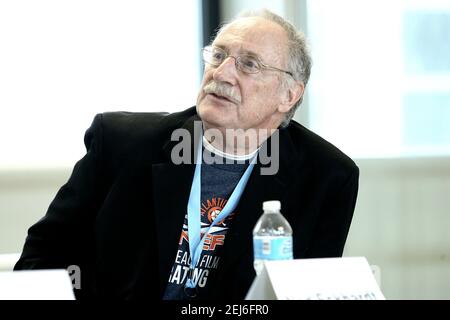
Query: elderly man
140	223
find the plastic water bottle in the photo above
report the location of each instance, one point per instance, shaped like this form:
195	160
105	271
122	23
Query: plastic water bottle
272	236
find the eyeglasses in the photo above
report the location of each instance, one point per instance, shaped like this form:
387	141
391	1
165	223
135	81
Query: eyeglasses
249	64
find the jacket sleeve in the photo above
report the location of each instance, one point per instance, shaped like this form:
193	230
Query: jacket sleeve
334	223
64	236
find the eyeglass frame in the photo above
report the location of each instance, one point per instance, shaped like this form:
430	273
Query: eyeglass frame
261	64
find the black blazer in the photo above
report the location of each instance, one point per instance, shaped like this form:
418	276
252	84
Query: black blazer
120	215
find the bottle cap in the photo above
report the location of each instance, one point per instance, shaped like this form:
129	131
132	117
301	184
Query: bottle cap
273	205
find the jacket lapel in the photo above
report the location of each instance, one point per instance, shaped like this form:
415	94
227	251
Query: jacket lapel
171	188
260	188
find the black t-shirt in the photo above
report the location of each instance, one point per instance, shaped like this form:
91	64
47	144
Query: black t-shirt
218	181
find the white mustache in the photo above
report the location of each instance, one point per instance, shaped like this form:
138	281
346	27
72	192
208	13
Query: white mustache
223	90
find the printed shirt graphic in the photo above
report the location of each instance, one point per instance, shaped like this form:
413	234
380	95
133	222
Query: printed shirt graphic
217	183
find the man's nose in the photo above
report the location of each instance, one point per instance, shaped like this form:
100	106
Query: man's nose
226	71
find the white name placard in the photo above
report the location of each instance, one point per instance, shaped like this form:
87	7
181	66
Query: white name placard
316	279
36	285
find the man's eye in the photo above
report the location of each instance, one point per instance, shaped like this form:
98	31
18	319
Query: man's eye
250	63
218	56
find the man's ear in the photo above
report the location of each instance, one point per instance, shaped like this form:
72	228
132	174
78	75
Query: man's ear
292	95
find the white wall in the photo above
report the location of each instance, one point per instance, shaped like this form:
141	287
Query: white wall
62	62
401	224
24	199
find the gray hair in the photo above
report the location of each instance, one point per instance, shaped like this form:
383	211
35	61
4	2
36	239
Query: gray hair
299	58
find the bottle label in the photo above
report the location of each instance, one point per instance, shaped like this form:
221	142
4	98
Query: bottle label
272	248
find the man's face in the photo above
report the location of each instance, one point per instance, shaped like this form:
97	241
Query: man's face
257	97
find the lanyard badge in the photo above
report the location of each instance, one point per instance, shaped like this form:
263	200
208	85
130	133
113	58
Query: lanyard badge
196	242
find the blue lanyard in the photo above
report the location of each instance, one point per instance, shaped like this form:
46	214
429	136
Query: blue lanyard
194	218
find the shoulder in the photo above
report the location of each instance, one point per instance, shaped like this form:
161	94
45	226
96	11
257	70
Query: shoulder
141	124
321	155
124	135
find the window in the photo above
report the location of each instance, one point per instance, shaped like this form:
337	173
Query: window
380	85
62	62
